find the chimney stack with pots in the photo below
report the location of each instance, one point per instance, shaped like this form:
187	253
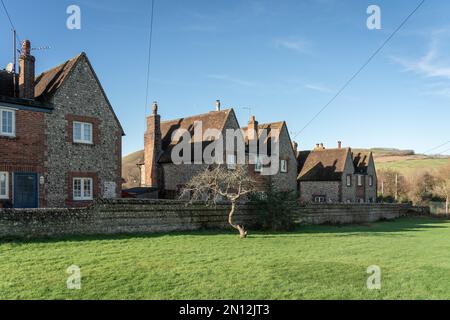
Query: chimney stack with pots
252	131
26	71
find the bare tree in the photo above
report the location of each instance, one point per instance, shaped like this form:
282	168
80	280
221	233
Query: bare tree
219	183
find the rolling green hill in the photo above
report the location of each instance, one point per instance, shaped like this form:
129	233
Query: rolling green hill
406	161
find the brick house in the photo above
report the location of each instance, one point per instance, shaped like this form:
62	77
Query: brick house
159	171
336	176
60	138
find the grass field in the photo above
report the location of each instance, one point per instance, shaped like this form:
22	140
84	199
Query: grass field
312	263
409	166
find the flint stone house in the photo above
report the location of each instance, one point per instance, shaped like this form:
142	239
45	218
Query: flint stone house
158	171
60	140
286	178
336	176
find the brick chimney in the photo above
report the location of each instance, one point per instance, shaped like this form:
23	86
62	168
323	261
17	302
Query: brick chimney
217	105
152	147
339	144
26	72
252	131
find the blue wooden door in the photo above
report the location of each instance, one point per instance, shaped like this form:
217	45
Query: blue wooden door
25	190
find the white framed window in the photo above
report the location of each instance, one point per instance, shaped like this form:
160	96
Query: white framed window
4	185
82	189
231	162
82	132
258	164
7	122
349	180
360	181
283	166
320	199
370	181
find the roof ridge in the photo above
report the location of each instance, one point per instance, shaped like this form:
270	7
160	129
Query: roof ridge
198	115
61	64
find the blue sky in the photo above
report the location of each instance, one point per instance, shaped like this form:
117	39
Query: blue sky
283	59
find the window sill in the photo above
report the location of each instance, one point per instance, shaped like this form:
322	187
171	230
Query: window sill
4	136
83	143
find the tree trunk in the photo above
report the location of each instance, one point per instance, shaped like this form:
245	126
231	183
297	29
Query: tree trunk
446	205
241	229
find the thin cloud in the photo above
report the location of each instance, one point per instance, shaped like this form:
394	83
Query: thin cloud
232	80
295	44
432	64
319	88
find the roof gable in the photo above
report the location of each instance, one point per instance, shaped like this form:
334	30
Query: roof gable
361	161
48	83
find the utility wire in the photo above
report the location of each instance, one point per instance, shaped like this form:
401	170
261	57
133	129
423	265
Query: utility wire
149	56
435	148
361	68
10	19
443	152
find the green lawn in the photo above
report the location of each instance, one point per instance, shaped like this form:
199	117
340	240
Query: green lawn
311	263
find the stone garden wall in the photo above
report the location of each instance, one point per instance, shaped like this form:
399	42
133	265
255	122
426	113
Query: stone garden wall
134	216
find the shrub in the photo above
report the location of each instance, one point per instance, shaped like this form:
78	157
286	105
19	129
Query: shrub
277	209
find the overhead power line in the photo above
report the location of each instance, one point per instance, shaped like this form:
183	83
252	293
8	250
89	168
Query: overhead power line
438	147
150	42
361	68
444	152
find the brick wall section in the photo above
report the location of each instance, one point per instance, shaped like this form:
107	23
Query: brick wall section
27	151
81	99
133	216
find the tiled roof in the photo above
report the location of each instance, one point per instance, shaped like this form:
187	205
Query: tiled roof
211	120
322	165
49	81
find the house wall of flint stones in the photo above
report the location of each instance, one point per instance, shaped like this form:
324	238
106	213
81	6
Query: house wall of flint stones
80	98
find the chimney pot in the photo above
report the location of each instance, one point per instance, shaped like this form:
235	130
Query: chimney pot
155	108
340	144
217	105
